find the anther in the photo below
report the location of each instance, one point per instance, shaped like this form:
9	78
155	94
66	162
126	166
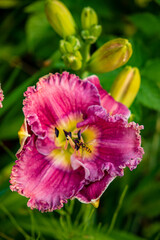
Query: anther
67	134
56	132
79	134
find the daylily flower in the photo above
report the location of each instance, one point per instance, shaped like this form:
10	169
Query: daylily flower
77	140
1	97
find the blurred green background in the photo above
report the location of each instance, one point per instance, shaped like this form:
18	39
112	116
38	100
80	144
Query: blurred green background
28	50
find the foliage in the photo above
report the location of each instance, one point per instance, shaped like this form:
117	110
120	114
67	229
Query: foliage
28	50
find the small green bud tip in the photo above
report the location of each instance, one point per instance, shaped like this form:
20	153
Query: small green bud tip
126	85
88	18
60	18
73	61
110	56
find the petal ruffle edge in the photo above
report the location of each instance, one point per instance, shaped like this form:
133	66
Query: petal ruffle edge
107	101
93	191
48	187
55	97
119	144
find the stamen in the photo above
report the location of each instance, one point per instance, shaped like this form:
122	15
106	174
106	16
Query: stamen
71	142
79	134
56	132
67	134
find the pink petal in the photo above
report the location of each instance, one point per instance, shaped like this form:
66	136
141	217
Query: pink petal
55	97
118	144
36	177
1	97
94	190
113	107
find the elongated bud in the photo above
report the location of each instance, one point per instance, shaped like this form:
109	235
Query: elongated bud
126	85
88	18
110	56
60	18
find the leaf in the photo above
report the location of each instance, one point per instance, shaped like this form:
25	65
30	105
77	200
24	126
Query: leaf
152	70
146	22
149	94
36	29
41	38
35	7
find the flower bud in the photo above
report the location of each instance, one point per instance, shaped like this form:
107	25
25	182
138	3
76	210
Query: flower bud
60	18
91	35
70	52
126	85
88	18
74	61
110	56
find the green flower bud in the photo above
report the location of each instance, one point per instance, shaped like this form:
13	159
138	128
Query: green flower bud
91	34
110	56
88	18
126	85
60	18
74	61
70	54
71	45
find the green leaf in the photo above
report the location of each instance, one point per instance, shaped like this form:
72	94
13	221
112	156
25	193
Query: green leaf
35	7
149	94
37	28
152	70
146	22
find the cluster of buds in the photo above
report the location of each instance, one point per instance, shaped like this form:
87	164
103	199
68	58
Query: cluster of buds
70	52
91	30
113	54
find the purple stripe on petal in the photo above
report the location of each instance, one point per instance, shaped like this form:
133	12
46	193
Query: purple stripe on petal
113	107
94	190
36	177
55	97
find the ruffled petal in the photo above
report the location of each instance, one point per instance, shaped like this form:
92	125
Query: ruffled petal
107	101
1	97
94	190
55	97
118	144
38	178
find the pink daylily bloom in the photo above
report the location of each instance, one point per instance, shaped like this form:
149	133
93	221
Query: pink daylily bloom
1	97
76	140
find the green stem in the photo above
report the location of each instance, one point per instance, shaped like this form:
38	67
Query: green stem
86	56
117	209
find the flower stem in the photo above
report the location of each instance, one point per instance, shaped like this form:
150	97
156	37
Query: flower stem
86	56
117	209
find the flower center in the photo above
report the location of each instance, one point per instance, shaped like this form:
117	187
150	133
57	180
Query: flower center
71	140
